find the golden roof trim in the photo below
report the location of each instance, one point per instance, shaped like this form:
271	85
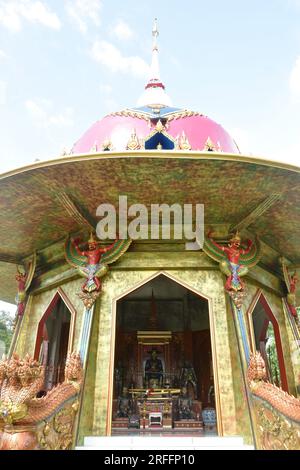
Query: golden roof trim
173	154
172	115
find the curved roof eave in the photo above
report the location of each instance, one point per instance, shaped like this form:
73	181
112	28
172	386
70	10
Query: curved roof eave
153	154
43	202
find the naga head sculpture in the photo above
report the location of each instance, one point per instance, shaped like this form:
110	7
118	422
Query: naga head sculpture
257	368
73	369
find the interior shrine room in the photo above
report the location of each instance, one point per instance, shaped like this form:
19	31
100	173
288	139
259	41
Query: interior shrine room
163	375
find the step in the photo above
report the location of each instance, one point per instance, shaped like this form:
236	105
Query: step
163	442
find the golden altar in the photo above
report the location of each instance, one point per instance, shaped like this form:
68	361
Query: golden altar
155	412
155	407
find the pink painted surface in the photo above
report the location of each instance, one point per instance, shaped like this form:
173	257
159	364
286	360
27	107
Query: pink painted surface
199	128
118	130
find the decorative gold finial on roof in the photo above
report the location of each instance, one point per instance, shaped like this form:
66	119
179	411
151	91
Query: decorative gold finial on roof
159	126
184	142
209	145
133	143
107	145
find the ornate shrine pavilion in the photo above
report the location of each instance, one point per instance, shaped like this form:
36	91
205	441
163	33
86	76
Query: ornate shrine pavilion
151	334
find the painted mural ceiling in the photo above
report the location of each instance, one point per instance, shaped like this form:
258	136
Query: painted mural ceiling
249	195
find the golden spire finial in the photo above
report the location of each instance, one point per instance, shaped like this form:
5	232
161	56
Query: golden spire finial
155	34
154	94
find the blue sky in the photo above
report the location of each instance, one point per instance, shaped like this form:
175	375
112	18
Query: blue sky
66	63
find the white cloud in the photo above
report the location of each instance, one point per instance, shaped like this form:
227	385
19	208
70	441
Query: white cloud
105	89
242	139
111	57
294	80
110	104
41	112
82	11
288	154
3	92
122	30
13	12
63	119
175	61
295	3
3	55
7	307
108	101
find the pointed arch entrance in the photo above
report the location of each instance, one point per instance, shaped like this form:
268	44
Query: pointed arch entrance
266	338
162	359
55	337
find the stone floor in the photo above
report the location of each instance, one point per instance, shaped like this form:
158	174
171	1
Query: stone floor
165	432
164	441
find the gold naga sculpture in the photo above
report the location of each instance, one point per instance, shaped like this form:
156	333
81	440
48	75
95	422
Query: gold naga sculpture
277	412
28	422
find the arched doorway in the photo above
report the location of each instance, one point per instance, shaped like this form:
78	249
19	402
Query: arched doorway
265	338
163	373
54	338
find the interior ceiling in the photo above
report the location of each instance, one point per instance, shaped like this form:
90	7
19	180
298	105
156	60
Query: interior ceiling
173	306
161	288
33	214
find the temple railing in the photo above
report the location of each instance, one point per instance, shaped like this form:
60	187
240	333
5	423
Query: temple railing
276	413
31	423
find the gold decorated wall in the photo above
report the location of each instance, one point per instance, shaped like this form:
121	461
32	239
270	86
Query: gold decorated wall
275	303
208	283
274	300
36	307
199	274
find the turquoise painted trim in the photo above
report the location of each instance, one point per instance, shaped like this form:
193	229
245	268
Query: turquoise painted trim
242	326
85	334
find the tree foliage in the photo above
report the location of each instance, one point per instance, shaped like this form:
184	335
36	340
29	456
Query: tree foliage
271	350
6	331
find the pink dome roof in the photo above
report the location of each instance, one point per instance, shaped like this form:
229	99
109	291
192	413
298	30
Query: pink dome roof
155	124
116	130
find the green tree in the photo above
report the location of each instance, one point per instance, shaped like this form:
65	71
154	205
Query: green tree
272	356
6	330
